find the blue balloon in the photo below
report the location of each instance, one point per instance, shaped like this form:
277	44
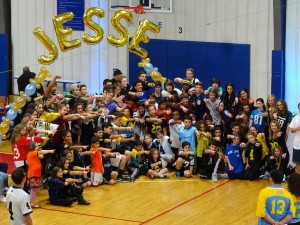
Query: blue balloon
148	68
11	114
30	89
3	118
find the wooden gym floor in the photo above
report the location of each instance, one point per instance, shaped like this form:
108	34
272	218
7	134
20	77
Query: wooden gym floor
154	202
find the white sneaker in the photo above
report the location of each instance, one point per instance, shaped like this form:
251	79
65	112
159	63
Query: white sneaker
223	175
214	177
2	199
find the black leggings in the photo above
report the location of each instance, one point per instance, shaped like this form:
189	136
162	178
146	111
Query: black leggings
63	201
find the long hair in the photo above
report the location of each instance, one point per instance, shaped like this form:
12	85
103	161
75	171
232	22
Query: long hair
54	171
16	134
229	99
285	107
271	133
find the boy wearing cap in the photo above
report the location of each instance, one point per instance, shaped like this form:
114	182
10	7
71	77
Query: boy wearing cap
117	76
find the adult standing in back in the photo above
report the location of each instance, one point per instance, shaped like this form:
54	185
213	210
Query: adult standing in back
23	80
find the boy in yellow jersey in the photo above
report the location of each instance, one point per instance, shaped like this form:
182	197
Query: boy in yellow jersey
294	188
275	204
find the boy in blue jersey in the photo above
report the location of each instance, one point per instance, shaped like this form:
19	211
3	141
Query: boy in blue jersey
188	132
234	159
275	204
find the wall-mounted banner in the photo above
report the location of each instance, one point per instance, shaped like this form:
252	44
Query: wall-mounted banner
75	6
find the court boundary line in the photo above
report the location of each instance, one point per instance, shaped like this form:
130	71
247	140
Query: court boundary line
150	219
84	214
183	203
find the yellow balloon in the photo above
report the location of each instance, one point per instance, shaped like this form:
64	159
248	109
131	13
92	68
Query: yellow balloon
3	136
156	76
41	76
21	101
140	36
124	35
48	43
45	72
87	19
4	127
62	33
144	62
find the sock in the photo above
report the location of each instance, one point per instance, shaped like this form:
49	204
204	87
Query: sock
33	194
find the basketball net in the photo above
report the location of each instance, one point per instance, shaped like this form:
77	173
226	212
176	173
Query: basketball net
139	9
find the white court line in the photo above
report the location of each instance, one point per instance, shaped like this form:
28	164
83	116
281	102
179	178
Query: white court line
163	181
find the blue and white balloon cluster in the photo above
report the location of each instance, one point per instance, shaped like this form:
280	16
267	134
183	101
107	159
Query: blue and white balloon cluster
15	108
151	71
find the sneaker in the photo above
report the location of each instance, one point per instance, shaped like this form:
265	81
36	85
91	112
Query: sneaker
3	199
166	175
223	175
214	177
125	180
178	174
84	203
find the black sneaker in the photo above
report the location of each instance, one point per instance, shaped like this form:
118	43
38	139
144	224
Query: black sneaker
84	203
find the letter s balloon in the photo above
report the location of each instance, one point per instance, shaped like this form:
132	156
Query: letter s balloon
115	21
49	44
87	19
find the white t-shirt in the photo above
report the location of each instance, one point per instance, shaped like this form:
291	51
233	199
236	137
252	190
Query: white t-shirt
166	145
174	133
18	205
294	124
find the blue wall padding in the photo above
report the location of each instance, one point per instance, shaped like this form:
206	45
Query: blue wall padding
3	65
228	62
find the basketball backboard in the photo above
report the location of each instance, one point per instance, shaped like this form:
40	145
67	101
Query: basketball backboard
164	6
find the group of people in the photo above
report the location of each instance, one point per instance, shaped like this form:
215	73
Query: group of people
75	140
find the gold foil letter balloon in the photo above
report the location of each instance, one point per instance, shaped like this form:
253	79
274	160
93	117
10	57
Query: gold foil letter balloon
62	33
48	43
87	19
115	21
140	36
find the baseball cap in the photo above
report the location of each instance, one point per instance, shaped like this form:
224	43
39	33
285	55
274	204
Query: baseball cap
186	82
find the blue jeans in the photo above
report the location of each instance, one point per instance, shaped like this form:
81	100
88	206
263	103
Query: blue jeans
3	181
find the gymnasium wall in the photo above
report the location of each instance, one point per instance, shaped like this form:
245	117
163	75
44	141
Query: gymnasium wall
228	62
221	21
292	57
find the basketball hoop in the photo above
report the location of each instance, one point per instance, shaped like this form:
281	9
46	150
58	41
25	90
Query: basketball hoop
139	9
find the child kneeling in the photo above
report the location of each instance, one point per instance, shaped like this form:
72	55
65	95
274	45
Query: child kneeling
185	162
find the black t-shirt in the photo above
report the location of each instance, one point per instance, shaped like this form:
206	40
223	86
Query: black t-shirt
152	127
254	153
